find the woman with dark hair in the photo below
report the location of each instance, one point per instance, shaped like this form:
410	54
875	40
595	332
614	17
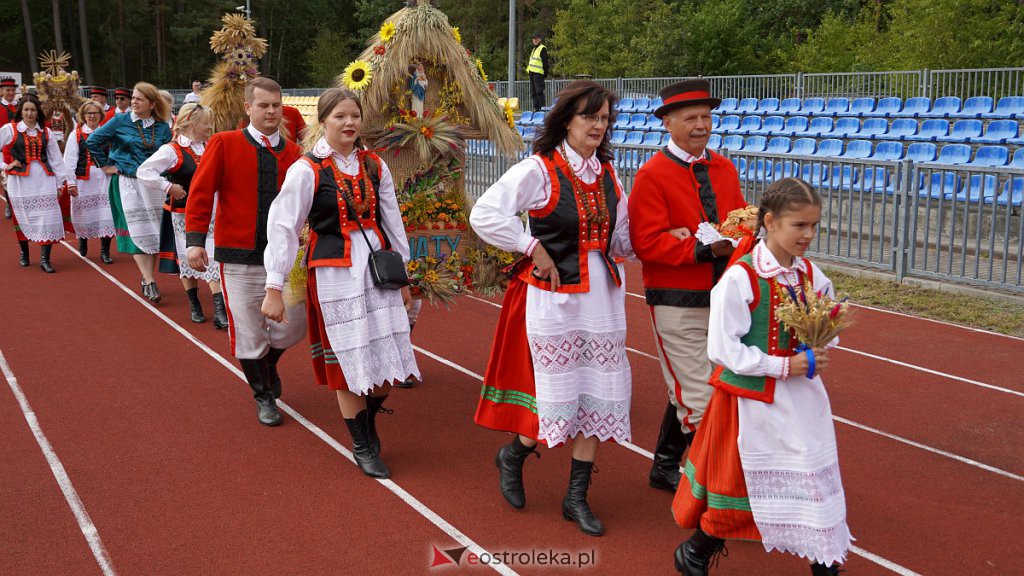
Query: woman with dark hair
90	207
359	333
35	175
558	367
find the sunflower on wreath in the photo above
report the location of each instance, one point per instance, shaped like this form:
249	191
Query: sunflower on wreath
357	75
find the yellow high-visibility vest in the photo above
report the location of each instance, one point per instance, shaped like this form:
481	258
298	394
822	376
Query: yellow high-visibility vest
536	65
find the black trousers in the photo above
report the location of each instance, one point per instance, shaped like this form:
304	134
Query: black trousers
537	90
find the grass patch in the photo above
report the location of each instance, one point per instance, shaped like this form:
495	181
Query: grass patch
964	309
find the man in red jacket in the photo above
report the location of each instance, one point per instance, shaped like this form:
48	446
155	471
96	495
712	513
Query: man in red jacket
683	185
244	169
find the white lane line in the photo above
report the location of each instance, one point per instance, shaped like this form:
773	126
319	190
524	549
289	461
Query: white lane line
395	489
92	535
902	571
935	372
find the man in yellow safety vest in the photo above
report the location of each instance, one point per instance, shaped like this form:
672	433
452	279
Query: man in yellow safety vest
538	67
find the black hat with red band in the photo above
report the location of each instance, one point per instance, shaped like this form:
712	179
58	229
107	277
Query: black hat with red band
688	92
98	91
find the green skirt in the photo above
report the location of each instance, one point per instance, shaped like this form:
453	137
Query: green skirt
124	240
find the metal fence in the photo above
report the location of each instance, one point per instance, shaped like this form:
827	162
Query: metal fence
957	223
905	84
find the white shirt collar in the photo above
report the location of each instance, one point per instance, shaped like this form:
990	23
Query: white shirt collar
683	154
767	266
346	164
187	142
86	129
146	122
587	169
22	127
106	107
8	102
274	138
125	111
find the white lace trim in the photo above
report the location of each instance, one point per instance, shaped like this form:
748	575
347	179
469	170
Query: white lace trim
707	234
579	349
767	266
587	415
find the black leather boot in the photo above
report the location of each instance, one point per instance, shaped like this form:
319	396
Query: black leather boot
574	505
366	458
83	247
374	406
220	313
257	374
24	261
44	258
510	461
672	443
194	307
694	556
275	379
822	570
105	251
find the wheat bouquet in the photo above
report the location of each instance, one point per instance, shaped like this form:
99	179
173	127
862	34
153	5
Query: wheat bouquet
815	317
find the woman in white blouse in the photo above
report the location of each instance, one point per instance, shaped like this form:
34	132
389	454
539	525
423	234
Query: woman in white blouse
359	333
35	175
170	170
563	320
90	206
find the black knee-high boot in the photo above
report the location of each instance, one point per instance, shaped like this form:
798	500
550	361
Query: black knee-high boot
822	570
366	458
375	405
105	250
220	312
44	258
24	261
510	461
194	306
574	505
257	373
83	247
693	556
275	379
672	443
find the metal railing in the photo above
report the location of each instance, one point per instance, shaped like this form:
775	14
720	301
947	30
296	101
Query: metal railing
994	82
958	223
905	84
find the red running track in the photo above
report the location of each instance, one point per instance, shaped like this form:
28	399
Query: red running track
160	442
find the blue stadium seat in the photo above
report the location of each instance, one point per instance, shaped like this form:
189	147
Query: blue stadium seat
931	130
830	147
977	188
768	106
786	169
1008	107
873	128
640	105
861	106
998	132
729	124
520	129
538	119
654	124
652	139
845	128
746	106
991	156
963	131
804	146
771	125
877	178
637	122
529	132
626	105
1013	193
818	127
837	107
714	142
779	145
921	152
716	121
888	151
621	122
749	125
789	106
915	107
760	170
975	107
741	167
858	149
755	144
727	106
845	177
815	174
939	185
525	119
901	129
654	104
811	106
1018	159
954	154
886	107
795	125
618	136
732	142
666	138
634	138
944	107
1019	141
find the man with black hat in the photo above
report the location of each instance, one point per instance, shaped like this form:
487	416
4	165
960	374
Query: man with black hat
681	186
99	95
537	68
122	101
8	108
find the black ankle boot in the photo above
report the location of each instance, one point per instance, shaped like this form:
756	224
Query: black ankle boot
44	258
694	556
220	313
275	379
83	247
672	443
24	261
366	458
822	570
105	250
374	406
510	461
195	308
574	505
257	375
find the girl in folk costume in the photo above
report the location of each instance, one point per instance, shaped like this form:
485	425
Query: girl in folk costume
558	367
764	465
359	333
35	175
119	147
170	171
90	206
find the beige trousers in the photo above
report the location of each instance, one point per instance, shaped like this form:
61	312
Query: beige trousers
253	334
682	338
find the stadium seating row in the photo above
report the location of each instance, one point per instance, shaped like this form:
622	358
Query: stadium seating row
931	130
892	107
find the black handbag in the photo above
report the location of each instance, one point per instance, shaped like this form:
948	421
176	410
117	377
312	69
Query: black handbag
386	266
